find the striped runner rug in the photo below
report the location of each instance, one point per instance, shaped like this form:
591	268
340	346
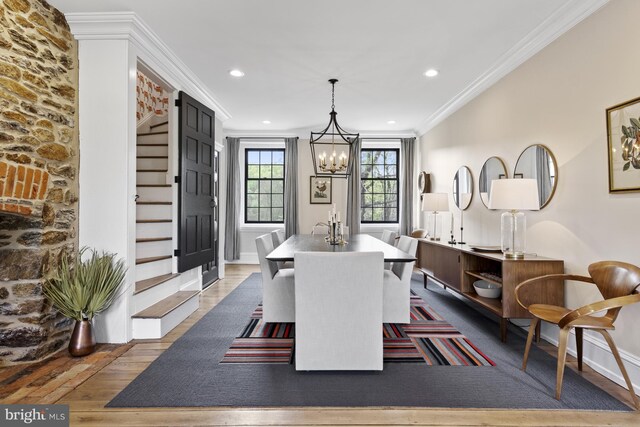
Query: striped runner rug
428	339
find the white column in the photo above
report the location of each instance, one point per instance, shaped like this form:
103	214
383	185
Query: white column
107	166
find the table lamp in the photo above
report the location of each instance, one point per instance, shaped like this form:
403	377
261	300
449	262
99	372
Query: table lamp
514	195
435	203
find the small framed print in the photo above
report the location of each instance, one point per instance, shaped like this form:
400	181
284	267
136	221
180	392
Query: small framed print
623	146
320	190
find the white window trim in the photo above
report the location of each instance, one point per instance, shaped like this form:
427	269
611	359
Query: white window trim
383	144
263	226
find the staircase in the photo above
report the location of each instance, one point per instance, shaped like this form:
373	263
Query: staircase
159	303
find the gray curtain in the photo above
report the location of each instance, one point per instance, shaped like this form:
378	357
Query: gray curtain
543	174
231	232
291	223
406	185
353	190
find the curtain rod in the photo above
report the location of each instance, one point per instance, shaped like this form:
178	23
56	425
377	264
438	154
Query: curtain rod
383	138
263	138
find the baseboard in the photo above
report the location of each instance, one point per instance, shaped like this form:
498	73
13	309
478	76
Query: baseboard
598	356
246	258
192	285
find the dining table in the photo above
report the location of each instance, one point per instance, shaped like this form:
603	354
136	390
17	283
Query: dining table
354	243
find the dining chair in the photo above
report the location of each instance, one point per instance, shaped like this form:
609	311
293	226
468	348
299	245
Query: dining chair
389	237
320	228
339	307
397	284
278	296
619	284
278	238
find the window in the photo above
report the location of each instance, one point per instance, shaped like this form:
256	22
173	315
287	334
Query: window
379	185
264	185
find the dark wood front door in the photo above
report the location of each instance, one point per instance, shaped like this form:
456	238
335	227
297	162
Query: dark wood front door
210	269
197	204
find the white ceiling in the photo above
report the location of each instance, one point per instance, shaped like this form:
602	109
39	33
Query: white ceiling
378	49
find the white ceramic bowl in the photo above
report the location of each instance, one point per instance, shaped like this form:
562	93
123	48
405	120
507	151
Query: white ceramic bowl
486	289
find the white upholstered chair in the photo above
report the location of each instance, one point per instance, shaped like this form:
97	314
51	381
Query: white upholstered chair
278	296
389	237
321	229
338	311
278	238
397	283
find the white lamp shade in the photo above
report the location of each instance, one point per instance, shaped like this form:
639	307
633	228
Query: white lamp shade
435	202
514	194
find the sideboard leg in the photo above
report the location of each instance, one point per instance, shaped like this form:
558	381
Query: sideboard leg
503	329
424	277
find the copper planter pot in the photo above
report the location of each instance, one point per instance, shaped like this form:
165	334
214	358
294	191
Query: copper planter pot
83	341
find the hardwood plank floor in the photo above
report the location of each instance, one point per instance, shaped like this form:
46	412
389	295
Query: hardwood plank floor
87	384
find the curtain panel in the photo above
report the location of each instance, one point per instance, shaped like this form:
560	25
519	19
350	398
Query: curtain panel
233	214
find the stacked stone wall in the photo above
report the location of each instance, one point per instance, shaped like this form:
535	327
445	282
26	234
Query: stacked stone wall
38	173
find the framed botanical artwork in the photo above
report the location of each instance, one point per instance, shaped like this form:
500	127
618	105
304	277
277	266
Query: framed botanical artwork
320	190
623	146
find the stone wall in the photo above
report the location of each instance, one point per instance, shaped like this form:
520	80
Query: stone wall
38	173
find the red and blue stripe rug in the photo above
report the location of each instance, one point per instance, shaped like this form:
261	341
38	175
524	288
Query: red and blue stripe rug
427	339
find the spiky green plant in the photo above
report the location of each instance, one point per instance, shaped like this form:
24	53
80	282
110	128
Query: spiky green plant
82	288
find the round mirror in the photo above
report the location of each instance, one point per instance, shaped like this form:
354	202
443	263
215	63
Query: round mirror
463	188
537	162
493	168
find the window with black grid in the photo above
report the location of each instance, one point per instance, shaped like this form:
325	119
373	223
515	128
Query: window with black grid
264	185
379	185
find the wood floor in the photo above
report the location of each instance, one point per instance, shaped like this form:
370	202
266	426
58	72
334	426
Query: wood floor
87	384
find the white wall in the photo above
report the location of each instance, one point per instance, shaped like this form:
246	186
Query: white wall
558	98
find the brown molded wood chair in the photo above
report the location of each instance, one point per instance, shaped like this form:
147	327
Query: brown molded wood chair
619	284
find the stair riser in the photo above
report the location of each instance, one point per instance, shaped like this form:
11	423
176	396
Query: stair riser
161	128
151	178
151	163
153	139
153	211
151	249
153	295
157	328
153	269
152	151
164	229
154	194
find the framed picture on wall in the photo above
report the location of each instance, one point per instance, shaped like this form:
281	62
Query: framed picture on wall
623	146
320	190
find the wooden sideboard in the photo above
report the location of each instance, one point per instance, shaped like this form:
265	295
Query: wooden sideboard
458	266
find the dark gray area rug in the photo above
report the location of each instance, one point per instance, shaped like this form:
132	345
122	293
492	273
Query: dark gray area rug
189	374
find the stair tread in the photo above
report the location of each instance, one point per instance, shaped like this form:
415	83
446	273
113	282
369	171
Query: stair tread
153	185
154	203
152	239
159	124
143	285
163	132
152	259
152	145
166	306
151	221
152	170
152	157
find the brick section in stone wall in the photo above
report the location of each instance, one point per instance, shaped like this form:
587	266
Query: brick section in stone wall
38	173
20	187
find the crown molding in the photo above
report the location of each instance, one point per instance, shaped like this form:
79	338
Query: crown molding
561	21
151	50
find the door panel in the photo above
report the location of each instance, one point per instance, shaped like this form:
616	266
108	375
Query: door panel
196	207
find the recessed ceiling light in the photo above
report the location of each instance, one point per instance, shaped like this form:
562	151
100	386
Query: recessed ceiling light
432	72
266	122
236	73
391	122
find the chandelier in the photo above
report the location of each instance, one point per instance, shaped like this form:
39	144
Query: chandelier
332	139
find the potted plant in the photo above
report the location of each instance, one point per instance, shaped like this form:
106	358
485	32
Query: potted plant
82	288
